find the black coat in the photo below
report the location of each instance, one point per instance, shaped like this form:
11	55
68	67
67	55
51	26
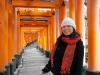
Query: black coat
76	67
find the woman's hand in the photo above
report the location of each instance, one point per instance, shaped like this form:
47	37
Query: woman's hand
45	70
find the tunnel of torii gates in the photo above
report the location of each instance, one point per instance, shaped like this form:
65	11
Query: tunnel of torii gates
44	26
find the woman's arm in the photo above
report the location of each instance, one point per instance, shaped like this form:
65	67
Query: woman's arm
47	67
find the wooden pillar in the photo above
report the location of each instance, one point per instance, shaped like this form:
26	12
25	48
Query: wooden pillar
13	22
18	33
15	31
62	9
93	37
3	35
49	48
52	29
79	19
46	42
72	9
44	35
45	38
11	58
42	40
53	24
38	40
57	23
10	34
51	33
25	38
79	16
22	39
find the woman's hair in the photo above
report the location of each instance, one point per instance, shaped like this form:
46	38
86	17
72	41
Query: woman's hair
72	35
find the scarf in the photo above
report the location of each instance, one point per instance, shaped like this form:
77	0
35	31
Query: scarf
68	54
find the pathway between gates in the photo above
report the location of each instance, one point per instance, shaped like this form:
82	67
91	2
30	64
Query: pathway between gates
33	61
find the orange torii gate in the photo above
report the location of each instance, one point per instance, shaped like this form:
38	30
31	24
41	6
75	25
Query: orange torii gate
12	29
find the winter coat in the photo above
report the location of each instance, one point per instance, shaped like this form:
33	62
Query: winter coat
76	67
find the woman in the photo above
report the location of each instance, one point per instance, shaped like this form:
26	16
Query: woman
67	54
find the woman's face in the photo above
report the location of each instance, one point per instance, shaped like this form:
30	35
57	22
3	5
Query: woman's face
67	30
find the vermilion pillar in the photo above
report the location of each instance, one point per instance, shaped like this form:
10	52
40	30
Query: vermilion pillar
6	33
22	39
52	29
15	31
42	40
93	37
51	37
72	9
53	24
79	19
11	58
47	46
3	35
45	39
10	34
57	23
13	22
47	42
62	13
48	30
38	40
18	33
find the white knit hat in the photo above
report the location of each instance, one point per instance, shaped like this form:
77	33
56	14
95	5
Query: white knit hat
68	21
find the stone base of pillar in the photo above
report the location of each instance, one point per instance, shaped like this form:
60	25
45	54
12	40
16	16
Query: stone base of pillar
3	73
36	47
47	54
12	68
39	48
42	50
14	63
92	73
16	56
8	69
84	70
19	59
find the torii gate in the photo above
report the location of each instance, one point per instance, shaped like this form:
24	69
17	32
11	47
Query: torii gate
9	47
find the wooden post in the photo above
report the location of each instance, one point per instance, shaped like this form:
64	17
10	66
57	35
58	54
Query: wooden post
79	19
72	9
53	24
62	9
93	37
3	35
57	23
18	33
10	34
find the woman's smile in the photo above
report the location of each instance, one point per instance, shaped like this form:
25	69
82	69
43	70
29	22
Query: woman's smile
67	29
